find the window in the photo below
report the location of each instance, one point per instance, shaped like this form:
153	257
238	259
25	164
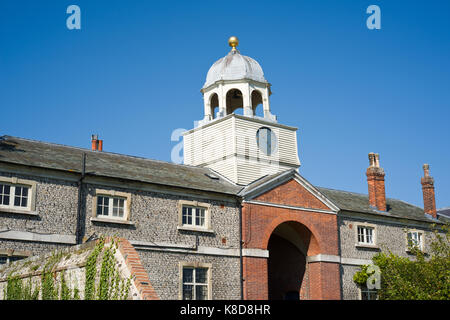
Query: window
8	256
195	283
368	294
266	140
194	216
415	239
15	196
366	235
111	205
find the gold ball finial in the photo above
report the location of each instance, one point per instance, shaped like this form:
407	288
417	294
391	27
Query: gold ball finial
233	42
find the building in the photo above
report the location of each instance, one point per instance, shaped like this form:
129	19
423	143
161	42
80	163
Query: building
236	221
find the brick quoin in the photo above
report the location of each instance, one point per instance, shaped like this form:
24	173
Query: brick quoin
138	273
317	230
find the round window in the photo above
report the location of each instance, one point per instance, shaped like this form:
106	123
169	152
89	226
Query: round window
266	140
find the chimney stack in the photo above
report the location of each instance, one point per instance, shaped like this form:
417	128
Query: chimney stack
97	145
429	202
375	180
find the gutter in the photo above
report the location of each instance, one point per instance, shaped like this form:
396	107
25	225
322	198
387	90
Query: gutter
241	263
78	232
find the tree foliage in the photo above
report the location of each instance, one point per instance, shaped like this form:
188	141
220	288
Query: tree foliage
423	277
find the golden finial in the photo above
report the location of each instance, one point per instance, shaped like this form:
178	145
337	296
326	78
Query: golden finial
233	42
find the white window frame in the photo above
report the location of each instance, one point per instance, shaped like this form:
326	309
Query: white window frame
195	265
364	243
194	205
421	234
369	291
13	183
111	195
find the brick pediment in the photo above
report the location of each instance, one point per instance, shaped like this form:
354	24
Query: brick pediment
292	193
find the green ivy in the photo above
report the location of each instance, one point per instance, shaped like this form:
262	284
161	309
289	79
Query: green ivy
103	284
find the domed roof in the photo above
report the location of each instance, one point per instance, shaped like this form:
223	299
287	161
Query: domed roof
234	66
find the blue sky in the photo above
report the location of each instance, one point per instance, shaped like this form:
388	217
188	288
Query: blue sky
134	71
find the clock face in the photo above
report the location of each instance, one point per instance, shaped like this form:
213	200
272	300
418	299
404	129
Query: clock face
266	140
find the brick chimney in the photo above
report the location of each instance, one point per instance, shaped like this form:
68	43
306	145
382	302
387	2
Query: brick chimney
375	181
97	145
429	202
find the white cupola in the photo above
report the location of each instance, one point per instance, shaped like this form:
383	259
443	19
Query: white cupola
235	82
242	147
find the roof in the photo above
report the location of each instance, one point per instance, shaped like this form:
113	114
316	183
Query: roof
444	214
99	163
234	66
357	202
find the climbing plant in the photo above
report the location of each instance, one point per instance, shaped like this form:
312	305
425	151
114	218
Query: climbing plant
102	283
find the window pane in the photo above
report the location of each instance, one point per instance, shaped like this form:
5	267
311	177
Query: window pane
188	275
187	292
17	201
4	194
200	275
187	215
102	205
360	234
369	238
201	292
200	217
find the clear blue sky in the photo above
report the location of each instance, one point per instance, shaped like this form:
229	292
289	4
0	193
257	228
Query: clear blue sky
133	74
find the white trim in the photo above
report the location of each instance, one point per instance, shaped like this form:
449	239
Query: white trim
355	262
39	237
337	259
192	249
323	258
287	207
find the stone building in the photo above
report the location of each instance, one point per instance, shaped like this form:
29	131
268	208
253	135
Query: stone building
236	221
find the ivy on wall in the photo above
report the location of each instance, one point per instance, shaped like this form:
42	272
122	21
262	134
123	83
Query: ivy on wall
102	279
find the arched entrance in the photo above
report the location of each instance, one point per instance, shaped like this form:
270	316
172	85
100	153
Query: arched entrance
288	248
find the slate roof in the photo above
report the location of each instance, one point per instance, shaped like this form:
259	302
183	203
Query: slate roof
107	164
444	214
357	202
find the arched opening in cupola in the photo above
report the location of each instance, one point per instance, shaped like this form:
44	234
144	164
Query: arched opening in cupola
214	104
257	103
234	101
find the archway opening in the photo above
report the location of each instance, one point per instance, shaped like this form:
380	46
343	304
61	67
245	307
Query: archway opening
289	245
257	103
234	101
214	104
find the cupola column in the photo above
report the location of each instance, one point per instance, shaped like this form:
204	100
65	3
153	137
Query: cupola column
248	111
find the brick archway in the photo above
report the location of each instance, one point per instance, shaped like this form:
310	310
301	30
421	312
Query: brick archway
261	218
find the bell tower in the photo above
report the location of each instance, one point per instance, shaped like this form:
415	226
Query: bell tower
242	147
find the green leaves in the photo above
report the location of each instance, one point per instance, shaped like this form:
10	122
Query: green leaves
420	278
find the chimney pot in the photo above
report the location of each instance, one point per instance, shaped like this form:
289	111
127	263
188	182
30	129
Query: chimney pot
96	144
